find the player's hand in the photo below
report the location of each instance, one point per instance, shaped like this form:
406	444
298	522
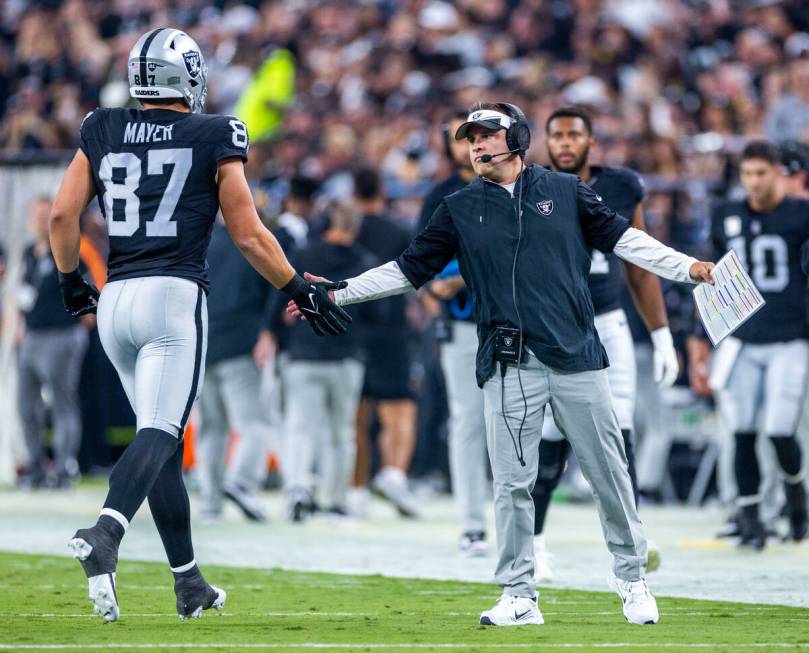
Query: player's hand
78	296
701	272
314	302
699	354
666	363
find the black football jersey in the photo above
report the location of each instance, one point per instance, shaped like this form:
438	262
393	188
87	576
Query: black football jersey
621	190
155	177
769	245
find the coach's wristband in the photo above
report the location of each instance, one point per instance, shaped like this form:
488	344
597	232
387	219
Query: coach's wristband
70	278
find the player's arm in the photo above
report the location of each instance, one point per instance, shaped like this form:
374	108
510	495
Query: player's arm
77	189
608	232
256	242
262	250
426	255
645	289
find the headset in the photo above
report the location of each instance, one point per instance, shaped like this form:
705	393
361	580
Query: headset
518	135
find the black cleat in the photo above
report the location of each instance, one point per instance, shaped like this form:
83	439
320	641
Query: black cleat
796	511
194	595
97	551
246	502
751	529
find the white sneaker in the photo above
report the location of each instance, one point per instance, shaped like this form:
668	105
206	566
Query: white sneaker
542	561
653	557
358	500
391	484
474	544
640	606
512	611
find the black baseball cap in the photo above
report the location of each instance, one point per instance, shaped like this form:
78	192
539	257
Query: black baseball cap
794	157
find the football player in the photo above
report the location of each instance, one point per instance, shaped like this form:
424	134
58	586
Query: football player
161	174
767	359
569	137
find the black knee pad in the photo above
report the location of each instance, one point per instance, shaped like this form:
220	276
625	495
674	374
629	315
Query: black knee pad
789	453
746	463
552	461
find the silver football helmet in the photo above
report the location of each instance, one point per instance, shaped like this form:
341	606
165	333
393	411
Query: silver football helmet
167	63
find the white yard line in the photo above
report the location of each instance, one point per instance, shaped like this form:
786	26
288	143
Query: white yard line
421	645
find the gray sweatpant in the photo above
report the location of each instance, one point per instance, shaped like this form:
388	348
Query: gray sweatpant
51	358
230	401
319	426
467	429
582	408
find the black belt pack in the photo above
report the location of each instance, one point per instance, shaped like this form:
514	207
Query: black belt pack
507	342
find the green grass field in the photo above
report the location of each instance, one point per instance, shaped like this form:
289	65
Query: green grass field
43	606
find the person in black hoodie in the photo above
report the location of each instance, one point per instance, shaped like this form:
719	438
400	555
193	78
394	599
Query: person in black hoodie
50	355
229	400
322	379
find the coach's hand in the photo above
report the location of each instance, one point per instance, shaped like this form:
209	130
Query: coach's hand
78	296
314	301
701	271
666	363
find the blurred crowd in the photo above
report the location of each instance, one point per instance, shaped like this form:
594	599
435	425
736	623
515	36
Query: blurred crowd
676	88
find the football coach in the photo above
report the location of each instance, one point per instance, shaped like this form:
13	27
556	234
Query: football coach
522	235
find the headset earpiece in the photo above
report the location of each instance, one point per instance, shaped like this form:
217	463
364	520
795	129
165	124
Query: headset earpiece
518	136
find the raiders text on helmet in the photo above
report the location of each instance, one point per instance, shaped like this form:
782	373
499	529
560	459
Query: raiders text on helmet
167	63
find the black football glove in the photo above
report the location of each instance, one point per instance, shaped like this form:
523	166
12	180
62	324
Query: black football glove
78	296
324	316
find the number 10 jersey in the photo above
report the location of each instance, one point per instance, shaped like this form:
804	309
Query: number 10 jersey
769	245
155	177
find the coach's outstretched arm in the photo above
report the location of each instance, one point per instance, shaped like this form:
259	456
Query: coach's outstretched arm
637	247
262	250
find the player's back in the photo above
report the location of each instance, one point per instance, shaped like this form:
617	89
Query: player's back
155	176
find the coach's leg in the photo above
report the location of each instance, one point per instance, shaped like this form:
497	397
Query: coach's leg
212	441
553	452
345	386
248	416
467	427
786	379
65	351
582	406
31	408
513	481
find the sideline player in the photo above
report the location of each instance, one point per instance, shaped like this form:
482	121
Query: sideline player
468	463
569	137
762	370
161	175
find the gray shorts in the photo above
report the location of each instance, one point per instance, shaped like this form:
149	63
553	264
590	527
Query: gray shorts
155	332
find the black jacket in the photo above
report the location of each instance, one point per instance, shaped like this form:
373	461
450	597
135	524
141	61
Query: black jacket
237	302
562	219
332	262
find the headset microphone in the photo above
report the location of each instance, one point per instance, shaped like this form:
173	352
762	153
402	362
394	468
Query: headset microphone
485	158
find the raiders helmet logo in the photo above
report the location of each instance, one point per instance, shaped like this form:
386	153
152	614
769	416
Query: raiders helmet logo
508	341
192	63
545	207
